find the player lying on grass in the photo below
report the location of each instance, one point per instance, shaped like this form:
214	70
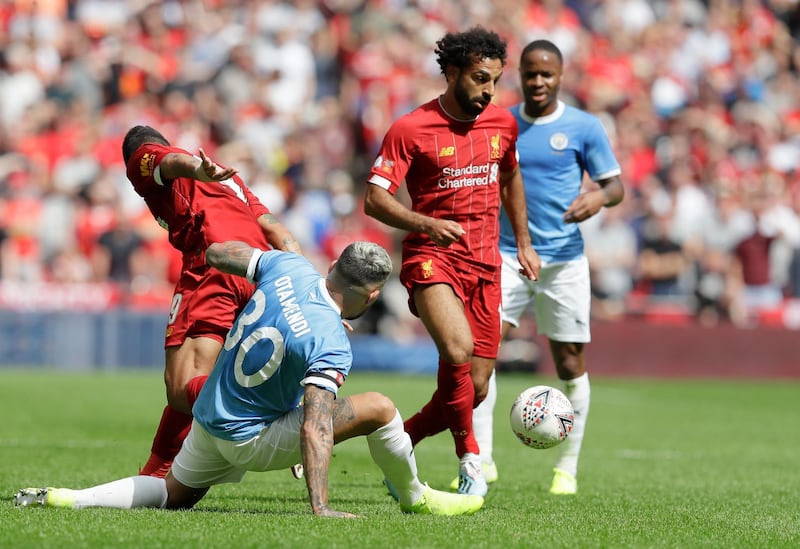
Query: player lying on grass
288	343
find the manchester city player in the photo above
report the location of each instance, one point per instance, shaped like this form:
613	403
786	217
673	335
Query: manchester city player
286	345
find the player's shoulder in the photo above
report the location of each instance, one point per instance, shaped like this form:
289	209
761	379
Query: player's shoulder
571	112
421	115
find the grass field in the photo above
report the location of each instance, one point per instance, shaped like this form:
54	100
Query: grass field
666	463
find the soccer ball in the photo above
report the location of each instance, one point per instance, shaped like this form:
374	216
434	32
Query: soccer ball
542	417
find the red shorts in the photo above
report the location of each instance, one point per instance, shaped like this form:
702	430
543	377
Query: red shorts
481	297
205	304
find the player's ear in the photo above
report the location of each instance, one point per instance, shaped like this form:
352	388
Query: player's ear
331	266
451	73
373	296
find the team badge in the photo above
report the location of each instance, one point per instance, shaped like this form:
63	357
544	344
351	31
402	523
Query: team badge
494	142
427	268
559	141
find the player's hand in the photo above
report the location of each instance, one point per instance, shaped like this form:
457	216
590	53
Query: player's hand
530	263
444	232
211	171
332	513
585	206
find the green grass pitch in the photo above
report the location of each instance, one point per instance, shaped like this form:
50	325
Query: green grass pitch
666	463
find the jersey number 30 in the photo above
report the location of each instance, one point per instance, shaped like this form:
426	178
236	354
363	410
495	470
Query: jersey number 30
259	300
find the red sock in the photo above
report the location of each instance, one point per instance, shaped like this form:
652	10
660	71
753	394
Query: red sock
427	422
449	407
457	394
173	428
193	388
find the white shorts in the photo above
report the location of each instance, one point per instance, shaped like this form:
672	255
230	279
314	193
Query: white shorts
561	298
205	460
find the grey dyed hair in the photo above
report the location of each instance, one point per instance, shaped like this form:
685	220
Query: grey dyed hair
364	264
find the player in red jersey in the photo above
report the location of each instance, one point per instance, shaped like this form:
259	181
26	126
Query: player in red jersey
457	156
199	202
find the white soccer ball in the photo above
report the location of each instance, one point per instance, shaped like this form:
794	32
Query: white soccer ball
542	417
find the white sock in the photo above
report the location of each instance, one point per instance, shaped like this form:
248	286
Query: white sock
483	422
391	449
126	493
579	392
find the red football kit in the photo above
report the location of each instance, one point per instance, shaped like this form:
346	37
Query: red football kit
197	214
451	170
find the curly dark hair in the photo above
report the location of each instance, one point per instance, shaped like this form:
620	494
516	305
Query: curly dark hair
138	136
460	49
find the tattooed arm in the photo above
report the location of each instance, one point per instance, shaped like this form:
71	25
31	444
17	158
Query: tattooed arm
230	257
316	439
278	236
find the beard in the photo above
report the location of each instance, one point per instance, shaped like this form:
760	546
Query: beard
470	105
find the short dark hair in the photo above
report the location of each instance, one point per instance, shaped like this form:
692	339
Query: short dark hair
138	136
545	45
460	49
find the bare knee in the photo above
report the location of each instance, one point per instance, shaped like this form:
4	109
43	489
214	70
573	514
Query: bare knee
457	351
382	409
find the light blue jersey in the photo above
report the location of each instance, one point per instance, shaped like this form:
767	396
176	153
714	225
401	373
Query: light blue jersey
554	152
289	334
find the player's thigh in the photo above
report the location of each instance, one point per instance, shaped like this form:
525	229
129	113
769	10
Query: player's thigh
442	312
563	302
196	356
517	291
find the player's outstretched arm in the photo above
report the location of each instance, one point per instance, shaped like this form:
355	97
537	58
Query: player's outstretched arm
316	440
200	168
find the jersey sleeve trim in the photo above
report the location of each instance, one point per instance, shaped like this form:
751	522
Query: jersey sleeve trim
381	182
609	174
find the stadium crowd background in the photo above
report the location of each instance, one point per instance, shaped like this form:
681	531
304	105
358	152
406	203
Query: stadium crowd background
700	99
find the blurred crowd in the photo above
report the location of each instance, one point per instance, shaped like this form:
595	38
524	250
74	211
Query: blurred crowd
700	99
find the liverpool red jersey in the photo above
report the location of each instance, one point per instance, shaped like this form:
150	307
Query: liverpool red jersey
451	169
196	214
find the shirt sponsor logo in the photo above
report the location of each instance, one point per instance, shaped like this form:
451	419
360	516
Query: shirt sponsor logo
559	141
447	151
146	164
468	176
427	268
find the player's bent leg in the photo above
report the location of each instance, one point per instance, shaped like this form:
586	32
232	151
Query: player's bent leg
187	368
194	357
